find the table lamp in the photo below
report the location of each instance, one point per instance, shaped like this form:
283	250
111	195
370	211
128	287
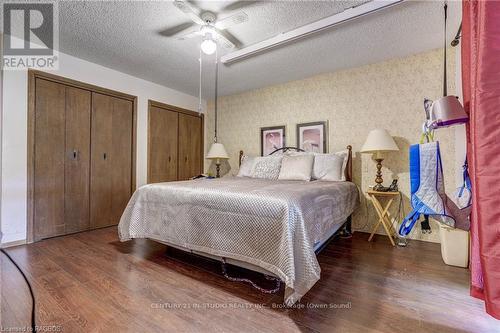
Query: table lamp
217	152
378	141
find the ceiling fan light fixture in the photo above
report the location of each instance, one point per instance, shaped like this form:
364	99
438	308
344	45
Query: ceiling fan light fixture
208	46
209	27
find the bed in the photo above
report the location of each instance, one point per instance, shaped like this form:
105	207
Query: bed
269	226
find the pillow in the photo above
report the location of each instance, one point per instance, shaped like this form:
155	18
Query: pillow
345	155
246	166
298	167
327	165
267	167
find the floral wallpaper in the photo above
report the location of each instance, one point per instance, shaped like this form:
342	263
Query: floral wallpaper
386	95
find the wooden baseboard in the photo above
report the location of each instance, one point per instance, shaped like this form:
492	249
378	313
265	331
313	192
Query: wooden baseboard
13	243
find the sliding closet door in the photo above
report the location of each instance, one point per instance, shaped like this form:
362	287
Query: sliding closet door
49	155
111	161
77	161
190	146
162	145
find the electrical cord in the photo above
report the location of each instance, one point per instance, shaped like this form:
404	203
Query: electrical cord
33	322
401	214
362	195
394	221
365	199
274	290
400	217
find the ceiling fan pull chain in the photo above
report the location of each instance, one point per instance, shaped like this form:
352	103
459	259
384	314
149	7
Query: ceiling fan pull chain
199	106
216	91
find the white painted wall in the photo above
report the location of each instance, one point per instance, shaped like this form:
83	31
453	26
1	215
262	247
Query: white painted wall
14	129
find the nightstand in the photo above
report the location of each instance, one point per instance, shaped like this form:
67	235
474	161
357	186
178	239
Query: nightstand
384	216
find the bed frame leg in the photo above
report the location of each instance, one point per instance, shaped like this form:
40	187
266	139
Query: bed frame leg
347	229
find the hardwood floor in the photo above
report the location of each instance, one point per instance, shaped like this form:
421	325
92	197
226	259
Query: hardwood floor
91	282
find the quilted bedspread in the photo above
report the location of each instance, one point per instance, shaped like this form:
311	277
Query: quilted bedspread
268	223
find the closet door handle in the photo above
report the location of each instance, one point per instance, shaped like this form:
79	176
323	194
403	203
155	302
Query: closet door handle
169	159
104	156
185	159
75	154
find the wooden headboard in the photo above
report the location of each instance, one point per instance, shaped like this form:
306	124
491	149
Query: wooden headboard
348	168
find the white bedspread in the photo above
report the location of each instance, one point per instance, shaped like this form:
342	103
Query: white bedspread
268	223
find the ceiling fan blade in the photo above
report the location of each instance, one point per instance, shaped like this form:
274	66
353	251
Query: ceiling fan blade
240	4
232	20
190	35
175	30
230	37
226	43
189	10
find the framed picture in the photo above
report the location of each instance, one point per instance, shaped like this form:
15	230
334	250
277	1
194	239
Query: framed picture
312	137
271	138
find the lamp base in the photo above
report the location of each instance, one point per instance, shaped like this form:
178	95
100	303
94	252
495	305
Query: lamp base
217	168
378	178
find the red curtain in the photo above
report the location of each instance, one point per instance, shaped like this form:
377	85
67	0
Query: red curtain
481	91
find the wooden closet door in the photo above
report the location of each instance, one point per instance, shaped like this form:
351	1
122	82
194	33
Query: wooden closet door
162	146
111	161
77	161
49	151
190	146
121	158
62	145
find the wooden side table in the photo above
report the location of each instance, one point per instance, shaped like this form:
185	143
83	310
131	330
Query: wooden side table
384	216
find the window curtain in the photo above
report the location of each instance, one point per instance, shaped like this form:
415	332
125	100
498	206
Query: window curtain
481	91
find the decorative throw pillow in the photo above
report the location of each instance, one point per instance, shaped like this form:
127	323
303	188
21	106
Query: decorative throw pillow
246	166
344	154
298	167
267	167
328	167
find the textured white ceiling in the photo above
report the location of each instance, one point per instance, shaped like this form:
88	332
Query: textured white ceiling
124	36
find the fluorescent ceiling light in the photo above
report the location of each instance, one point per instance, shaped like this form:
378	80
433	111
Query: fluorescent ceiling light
308	29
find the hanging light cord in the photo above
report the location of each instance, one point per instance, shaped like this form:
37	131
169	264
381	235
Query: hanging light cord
199	105
445	88
216	91
456	40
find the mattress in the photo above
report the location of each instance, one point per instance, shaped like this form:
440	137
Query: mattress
271	224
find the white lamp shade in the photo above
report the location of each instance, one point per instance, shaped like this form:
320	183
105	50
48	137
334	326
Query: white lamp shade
379	140
217	151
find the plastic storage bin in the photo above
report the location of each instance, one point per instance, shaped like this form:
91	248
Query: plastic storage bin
454	246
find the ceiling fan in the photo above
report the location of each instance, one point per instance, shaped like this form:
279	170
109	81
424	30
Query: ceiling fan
207	26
